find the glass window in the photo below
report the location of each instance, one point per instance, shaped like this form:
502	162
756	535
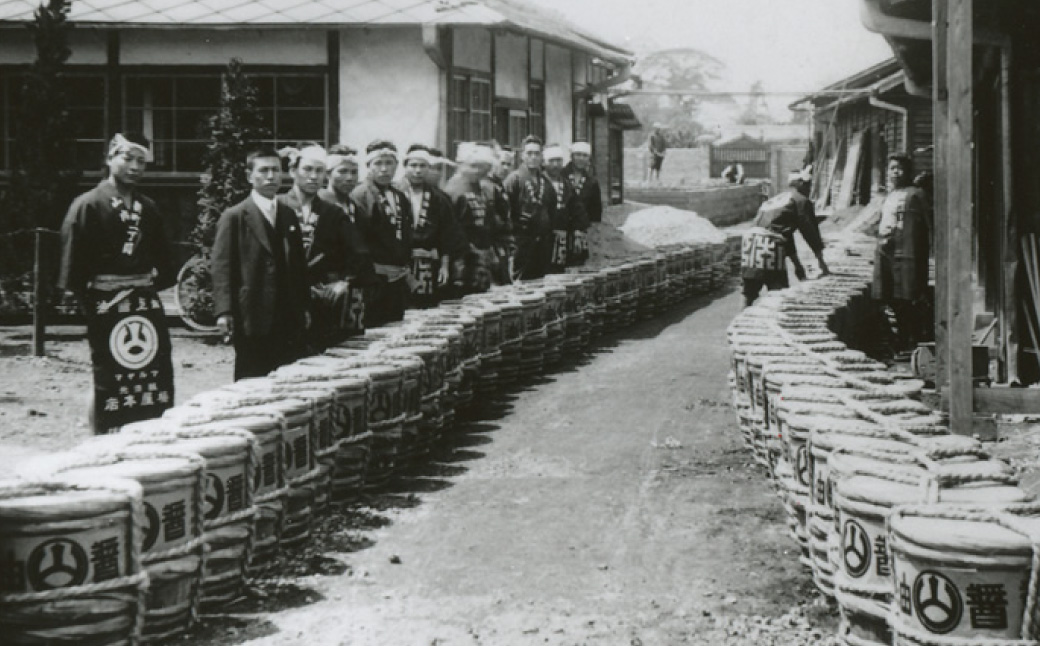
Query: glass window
174	111
537	110
85	99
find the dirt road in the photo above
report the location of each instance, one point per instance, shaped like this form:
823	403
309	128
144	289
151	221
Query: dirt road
608	504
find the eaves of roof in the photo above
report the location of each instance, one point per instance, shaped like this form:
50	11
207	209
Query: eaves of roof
223	14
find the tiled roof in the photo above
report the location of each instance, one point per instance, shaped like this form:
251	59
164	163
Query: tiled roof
201	13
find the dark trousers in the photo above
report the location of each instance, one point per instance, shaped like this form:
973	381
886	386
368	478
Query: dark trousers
258	356
388	302
753	286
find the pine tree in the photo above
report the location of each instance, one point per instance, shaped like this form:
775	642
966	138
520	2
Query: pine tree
235	129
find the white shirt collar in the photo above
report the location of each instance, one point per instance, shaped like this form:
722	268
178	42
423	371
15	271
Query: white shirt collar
265	205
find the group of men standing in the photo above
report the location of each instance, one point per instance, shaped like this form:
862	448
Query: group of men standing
298	271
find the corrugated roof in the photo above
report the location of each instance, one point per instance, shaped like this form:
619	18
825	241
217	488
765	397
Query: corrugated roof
528	18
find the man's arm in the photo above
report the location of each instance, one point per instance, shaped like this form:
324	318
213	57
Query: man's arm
73	275
223	256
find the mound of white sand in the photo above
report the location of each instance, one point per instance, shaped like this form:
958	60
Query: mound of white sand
664	225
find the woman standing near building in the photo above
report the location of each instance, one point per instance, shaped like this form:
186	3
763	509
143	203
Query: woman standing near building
901	259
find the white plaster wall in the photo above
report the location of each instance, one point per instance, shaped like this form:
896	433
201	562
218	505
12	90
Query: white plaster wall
537	59
580	65
511	66
217	47
471	48
89	46
389	88
559	96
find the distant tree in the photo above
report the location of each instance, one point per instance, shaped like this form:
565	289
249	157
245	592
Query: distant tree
681	70
755	114
234	129
43	170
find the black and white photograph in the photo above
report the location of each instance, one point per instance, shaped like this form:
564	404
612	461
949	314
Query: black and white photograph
519	323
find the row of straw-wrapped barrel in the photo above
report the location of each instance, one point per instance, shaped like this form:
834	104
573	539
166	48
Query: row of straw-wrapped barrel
919	535
129	537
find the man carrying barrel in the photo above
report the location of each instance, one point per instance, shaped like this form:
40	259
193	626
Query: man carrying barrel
338	266
115	258
767	246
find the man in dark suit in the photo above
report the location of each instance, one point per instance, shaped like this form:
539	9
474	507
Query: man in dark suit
260	275
338	265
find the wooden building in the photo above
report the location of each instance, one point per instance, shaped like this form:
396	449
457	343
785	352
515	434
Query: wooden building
857	123
431	71
978	63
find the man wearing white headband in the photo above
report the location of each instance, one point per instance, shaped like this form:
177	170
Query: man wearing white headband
771	240
343	178
116	258
532	200
384	217
569	221
436	236
441	169
337	259
579	173
487	236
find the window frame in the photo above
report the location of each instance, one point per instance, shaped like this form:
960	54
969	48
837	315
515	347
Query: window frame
466	115
10	76
174	74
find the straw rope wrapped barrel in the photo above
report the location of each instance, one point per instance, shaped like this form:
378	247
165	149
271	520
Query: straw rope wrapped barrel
232	465
352	439
863	503
172	485
269	478
965	575
76	545
386	415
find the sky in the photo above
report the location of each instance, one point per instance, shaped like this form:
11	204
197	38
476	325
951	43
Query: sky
789	45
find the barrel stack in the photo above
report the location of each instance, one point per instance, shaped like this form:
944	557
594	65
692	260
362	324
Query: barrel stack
140	532
892	514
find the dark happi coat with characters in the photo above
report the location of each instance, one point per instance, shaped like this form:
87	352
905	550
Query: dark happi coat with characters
567	218
384	218
487	235
115	257
533	208
435	233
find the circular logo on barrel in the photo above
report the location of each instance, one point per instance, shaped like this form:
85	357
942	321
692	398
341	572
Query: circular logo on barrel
214	498
57	563
134	342
151	531
855	547
937	602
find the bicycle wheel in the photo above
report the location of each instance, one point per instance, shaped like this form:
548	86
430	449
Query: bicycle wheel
193	295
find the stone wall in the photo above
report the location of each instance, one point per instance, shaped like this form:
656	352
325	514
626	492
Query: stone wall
722	206
682	166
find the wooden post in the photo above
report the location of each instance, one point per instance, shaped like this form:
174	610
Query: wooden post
959	177
39	330
940	247
1009	343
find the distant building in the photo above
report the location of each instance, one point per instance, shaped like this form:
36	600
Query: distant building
764	152
857	123
431	71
